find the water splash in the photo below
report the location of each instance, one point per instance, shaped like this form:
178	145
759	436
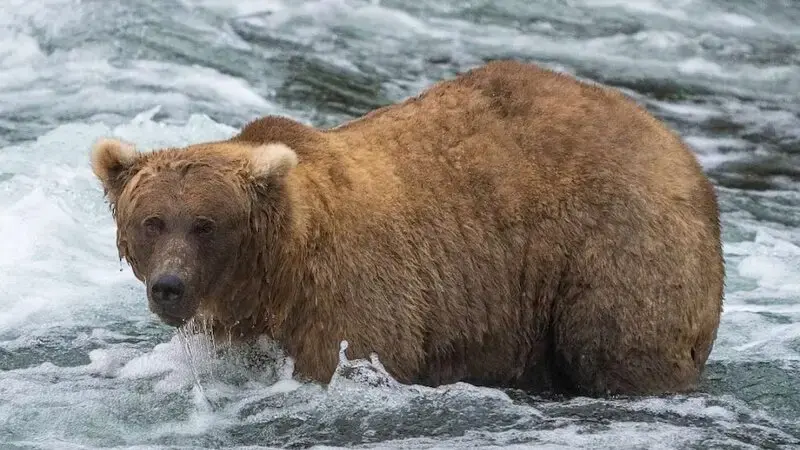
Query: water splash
361	371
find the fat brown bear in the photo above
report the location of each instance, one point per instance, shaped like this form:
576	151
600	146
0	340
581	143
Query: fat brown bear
510	227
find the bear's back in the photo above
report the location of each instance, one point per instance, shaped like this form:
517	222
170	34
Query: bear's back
508	128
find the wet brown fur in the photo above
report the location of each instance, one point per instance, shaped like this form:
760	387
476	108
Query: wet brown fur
510	227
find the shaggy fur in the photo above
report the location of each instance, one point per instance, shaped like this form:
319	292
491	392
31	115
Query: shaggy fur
510	227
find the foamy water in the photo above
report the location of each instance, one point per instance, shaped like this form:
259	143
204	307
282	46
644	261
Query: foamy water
83	364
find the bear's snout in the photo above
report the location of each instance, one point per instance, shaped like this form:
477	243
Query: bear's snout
168	290
167	293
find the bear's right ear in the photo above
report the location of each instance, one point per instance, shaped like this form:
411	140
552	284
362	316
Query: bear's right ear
112	160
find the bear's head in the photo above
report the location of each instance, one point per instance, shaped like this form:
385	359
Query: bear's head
194	222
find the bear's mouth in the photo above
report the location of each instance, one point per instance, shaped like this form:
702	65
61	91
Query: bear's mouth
174	317
172	320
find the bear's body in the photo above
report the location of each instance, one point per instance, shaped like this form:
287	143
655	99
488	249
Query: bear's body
510	227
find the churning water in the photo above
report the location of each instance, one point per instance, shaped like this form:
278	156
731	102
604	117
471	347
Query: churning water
83	364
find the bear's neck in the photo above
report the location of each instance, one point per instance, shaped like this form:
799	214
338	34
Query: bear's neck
293	244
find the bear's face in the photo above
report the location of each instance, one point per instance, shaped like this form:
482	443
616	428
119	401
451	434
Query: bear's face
184	216
181	234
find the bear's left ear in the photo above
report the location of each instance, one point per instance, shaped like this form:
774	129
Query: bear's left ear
112	160
273	160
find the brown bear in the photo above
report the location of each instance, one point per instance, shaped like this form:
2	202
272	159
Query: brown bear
510	227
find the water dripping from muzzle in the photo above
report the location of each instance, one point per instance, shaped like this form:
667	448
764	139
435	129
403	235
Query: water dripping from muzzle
195	351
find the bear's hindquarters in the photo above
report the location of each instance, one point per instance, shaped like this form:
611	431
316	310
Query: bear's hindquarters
640	306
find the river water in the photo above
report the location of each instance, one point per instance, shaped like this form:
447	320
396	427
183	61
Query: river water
83	364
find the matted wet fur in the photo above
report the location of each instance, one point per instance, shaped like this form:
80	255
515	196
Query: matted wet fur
509	227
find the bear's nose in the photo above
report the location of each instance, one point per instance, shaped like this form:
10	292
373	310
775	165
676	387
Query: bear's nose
168	290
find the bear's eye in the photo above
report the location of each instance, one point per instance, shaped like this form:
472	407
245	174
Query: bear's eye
153	225
203	226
